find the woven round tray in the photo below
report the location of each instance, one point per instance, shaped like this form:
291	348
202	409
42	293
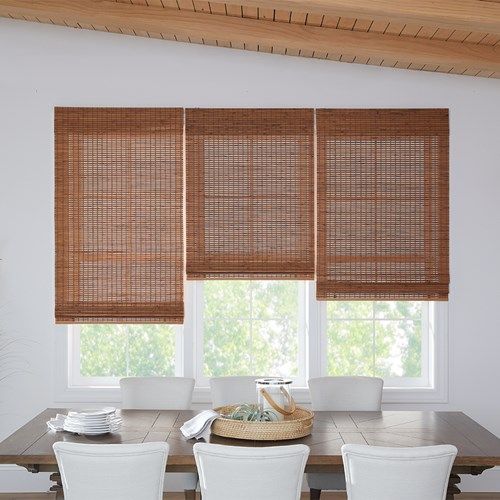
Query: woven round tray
294	426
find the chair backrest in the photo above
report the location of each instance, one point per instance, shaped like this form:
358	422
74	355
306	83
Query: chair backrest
156	393
112	471
380	473
233	390
247	473
346	393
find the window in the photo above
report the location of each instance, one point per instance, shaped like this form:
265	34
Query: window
380	339
369	187
239	327
252	328
102	354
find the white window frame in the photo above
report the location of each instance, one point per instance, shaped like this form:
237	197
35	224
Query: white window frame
71	387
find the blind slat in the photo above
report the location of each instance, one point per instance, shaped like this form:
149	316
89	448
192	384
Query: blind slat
382	204
119	215
250	193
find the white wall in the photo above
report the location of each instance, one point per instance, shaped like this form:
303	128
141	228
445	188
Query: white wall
44	66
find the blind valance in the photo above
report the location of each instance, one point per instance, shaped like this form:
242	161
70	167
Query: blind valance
382	205
119	215
250	193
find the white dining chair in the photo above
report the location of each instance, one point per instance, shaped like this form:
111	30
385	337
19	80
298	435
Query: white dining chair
233	390
112	471
341	394
156	393
162	393
379	473
248	473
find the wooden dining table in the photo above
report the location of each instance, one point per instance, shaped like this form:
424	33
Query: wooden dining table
478	449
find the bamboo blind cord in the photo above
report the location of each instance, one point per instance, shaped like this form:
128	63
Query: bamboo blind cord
382	204
119	215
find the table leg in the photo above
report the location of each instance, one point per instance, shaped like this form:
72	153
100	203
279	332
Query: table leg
453	489
55	477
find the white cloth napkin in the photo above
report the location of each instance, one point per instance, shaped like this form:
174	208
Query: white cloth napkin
57	423
198	426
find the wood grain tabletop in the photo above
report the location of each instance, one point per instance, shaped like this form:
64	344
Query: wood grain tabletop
477	447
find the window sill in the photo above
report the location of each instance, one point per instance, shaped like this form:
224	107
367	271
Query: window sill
201	395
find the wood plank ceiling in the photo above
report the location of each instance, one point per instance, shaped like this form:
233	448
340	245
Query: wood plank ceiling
449	36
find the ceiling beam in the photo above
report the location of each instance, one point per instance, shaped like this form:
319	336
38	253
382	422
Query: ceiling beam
468	15
234	29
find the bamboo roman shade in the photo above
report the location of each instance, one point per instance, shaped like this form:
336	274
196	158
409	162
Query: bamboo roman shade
250	193
366	215
119	215
382	206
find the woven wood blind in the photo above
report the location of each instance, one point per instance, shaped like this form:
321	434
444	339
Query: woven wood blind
250	193
382	204
119	215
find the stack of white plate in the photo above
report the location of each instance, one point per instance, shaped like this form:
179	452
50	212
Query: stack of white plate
92	422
